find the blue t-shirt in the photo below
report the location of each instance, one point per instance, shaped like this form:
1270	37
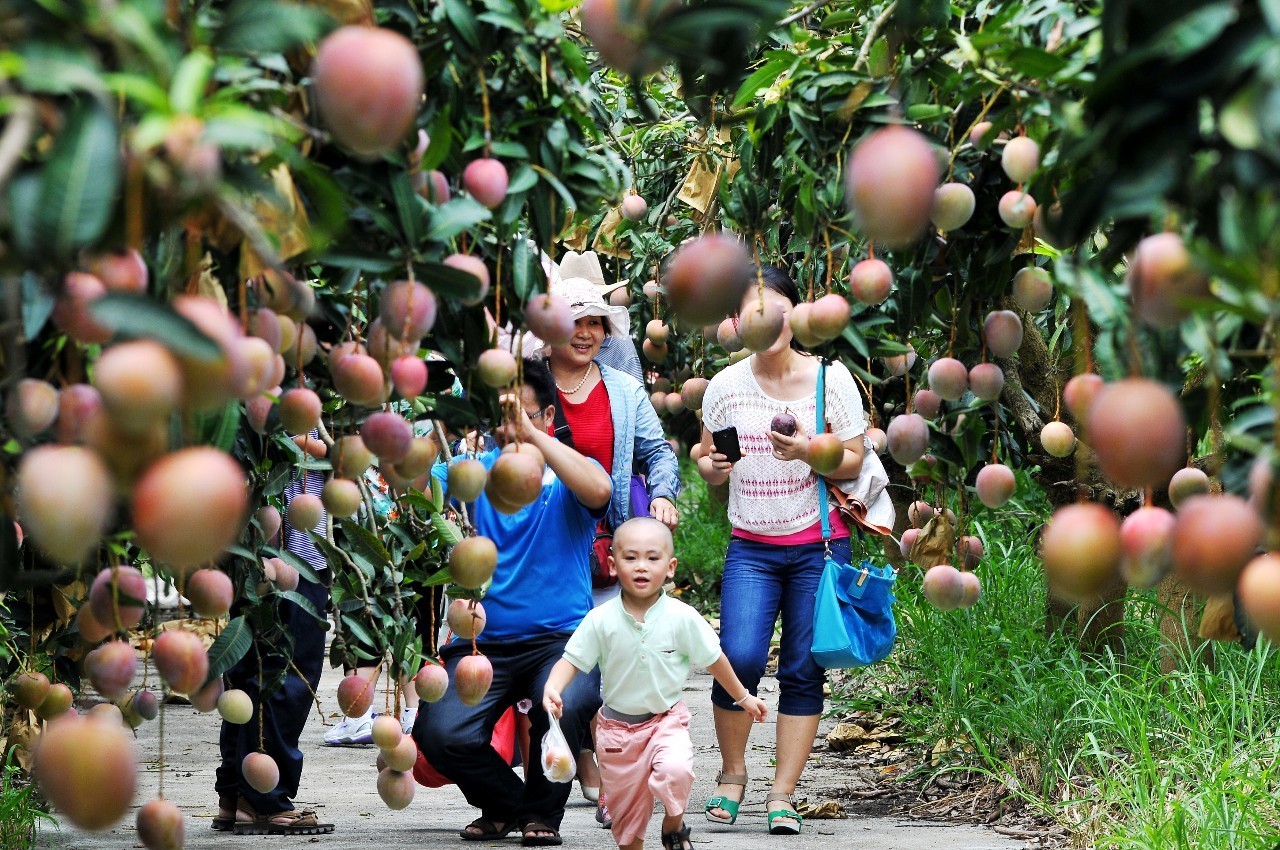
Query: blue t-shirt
542	584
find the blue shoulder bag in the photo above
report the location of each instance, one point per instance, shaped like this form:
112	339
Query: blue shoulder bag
853	622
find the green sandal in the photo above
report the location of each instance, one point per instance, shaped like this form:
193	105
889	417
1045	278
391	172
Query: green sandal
726	803
783	815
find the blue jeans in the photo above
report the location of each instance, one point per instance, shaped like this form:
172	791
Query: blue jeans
760	580
455	738
287	708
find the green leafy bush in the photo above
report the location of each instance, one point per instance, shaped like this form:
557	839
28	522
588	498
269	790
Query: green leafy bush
701	540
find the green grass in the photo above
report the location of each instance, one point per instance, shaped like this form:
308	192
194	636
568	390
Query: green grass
1124	755
702	537
19	809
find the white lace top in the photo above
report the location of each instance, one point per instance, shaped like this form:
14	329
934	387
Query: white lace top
766	495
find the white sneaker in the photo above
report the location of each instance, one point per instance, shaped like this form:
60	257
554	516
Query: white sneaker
407	718
352	730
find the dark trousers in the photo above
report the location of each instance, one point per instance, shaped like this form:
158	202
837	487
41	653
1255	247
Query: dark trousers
285	712
455	738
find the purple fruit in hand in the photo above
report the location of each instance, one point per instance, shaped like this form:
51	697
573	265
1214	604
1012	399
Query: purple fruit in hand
784	424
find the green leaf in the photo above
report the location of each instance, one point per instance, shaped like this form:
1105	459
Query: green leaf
245	129
1238	119
78	190
302	602
504	20
332	554
1034	62
1271	12
359	262
37	305
360	632
449	532
414	499
24	201
190	81
927	112
262	26
437	494
762	77
49	68
219	429
439	577
1195	31
560	189
460	214
139	317
232	644
464	23
521	279
447	280
365	548
441	134
143	90
879	62
523	179
410	207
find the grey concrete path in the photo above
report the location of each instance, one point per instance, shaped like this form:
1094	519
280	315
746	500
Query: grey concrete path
340	783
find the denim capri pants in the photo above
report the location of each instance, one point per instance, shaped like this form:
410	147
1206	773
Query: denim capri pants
760	581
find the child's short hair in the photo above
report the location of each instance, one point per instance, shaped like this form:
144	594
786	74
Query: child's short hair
639	522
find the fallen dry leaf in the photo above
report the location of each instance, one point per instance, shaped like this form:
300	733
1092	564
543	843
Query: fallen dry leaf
825	810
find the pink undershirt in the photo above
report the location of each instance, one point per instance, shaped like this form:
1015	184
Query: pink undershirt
812	534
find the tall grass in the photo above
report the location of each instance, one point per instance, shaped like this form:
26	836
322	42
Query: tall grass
19	809
702	537
1126	756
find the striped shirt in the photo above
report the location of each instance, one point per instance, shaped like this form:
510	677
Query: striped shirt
767	496
296	541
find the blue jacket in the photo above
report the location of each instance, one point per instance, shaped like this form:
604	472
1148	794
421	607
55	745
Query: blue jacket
620	353
637	440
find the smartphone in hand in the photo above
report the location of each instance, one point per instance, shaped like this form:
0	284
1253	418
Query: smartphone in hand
726	443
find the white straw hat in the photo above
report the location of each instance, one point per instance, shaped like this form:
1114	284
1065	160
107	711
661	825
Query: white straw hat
587	266
587	299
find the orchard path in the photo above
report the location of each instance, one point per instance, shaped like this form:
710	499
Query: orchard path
339	782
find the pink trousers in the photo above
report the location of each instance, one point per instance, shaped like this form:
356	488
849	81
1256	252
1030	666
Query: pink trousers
641	762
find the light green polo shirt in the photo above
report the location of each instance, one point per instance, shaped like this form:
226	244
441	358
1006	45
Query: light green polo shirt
643	666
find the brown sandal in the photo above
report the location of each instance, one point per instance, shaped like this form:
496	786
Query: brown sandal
486	830
287	822
221	822
530	838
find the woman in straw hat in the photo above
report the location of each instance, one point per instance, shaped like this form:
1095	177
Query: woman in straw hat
617	350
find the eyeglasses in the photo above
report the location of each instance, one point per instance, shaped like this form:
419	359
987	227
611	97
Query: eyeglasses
538	415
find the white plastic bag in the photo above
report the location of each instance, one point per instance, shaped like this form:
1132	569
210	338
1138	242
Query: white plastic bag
557	759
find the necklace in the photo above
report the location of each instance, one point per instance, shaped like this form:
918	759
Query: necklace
585	375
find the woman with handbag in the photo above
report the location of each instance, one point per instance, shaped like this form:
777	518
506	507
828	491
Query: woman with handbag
776	555
606	415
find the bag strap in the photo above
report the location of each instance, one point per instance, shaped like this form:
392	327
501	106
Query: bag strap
562	432
820	427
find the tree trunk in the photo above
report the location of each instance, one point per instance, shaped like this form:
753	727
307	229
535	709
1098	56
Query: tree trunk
1032	392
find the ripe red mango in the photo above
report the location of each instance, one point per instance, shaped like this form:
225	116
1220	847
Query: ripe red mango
87	770
368	85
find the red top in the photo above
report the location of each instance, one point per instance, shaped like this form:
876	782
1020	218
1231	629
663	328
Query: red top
812	534
591	425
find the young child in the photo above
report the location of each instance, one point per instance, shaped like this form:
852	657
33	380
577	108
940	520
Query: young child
644	642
